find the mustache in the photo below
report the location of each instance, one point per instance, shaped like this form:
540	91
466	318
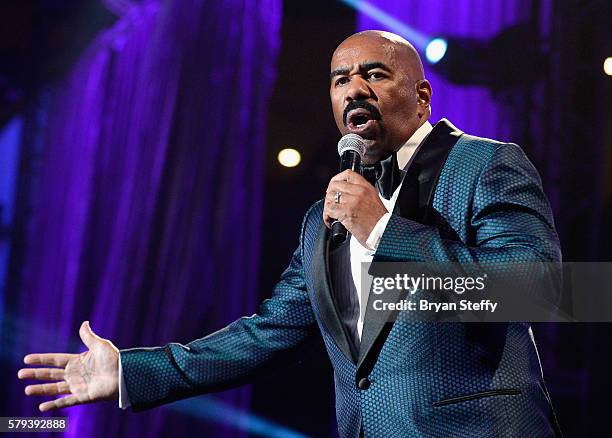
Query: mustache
354	104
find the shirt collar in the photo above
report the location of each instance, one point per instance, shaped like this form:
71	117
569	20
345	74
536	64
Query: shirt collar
405	153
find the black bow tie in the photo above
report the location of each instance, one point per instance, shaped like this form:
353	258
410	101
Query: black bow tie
385	175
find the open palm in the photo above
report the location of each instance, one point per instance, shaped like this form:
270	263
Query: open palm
87	377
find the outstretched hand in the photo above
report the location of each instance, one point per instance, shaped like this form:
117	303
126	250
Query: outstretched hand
87	377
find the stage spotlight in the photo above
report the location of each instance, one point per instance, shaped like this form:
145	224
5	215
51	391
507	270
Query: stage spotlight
289	157
435	50
462	61
608	66
389	22
513	57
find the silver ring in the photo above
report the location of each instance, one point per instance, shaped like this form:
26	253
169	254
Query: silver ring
337	197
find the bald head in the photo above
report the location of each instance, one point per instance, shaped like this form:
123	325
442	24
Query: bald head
398	48
378	91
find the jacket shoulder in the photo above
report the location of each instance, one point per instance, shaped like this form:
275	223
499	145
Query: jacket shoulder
313	220
314	215
476	153
486	147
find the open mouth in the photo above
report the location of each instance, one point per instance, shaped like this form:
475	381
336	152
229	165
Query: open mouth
360	120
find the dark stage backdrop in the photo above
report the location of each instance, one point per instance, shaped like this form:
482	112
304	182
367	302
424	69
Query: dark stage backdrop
562	131
148	204
474	109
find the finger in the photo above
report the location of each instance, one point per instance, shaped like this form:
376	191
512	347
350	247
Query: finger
330	221
342	176
337	210
58	403
330	208
48	389
41	373
53	359
327	219
348	175
329	214
344	199
87	335
344	187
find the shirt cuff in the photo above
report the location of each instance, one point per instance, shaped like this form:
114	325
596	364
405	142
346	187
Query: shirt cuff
124	401
377	232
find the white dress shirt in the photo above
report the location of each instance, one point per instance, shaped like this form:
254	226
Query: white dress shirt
359	253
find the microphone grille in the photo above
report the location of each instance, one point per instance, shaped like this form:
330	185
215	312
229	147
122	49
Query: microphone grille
351	142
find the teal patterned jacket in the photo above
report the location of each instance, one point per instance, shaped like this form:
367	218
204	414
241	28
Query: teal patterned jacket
464	199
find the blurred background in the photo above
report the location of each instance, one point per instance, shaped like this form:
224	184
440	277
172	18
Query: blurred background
143	188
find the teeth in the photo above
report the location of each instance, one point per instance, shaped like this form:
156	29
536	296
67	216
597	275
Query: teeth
359	120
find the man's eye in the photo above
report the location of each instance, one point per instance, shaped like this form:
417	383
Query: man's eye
341	81
375	75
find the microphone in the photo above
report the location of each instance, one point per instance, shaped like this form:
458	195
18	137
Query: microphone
351	148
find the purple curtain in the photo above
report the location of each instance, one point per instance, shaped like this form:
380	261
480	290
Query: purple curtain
473	109
147	214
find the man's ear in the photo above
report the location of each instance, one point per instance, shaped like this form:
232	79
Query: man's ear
423	92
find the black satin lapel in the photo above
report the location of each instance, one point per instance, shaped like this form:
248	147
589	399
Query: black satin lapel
323	293
414	202
416	197
377	324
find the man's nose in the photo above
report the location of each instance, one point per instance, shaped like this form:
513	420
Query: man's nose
358	89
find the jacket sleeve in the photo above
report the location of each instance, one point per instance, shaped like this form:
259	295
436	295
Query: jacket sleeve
510	220
229	357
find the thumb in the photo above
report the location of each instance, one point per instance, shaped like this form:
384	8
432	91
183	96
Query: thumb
87	335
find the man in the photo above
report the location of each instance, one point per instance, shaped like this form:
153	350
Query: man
460	198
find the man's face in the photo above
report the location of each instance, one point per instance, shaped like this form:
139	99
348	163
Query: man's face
373	94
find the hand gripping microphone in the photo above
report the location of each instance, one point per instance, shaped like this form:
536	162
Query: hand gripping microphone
351	148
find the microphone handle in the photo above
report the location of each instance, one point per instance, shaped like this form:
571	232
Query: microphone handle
349	160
